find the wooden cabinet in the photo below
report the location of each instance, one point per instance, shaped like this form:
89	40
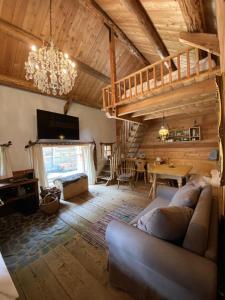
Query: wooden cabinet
19	194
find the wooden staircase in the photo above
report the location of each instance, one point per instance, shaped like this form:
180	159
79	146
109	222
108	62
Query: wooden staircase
105	174
135	134
130	139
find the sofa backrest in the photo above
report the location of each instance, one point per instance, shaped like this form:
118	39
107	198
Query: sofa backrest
196	238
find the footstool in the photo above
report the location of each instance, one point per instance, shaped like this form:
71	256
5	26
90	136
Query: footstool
73	185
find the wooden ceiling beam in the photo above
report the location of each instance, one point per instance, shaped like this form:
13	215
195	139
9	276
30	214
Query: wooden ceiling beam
29	39
67	105
184	92
28	86
145	22
100	13
182	109
193	14
205	41
178	104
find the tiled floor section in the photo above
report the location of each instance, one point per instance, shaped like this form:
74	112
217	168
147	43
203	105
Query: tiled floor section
23	239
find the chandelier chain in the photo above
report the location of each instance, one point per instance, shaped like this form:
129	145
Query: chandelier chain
50	21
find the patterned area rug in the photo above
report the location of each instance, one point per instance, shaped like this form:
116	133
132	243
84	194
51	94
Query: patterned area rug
95	235
23	239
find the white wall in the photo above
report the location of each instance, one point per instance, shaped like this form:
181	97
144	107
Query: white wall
18	122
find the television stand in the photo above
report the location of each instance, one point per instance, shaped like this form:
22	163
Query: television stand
21	195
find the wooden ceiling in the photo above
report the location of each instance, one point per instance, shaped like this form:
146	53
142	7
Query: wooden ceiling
79	29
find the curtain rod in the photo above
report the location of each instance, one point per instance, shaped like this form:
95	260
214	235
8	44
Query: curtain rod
58	142
6	144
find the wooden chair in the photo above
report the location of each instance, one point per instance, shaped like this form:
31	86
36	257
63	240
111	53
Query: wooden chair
141	169
126	172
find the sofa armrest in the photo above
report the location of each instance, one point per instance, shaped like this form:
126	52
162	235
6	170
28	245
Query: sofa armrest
192	272
166	192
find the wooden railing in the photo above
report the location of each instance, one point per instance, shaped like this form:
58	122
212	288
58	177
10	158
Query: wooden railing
139	84
114	160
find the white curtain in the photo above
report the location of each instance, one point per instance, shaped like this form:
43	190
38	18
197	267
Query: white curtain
37	161
88	154
5	162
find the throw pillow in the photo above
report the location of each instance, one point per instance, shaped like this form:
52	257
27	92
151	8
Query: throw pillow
168	223
186	196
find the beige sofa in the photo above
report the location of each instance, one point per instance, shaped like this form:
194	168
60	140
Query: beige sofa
151	268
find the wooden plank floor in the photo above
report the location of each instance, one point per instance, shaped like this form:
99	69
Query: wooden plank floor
77	270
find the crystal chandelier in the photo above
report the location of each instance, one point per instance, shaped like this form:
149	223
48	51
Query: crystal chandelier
51	70
163	131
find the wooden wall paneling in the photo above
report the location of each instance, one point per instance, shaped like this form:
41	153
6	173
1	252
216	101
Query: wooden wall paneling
192	153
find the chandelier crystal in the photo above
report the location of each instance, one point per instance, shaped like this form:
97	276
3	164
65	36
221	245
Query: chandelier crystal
51	70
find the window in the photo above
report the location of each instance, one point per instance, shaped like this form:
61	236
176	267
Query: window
62	161
107	150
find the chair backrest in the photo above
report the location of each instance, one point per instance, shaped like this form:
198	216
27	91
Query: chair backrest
140	164
127	166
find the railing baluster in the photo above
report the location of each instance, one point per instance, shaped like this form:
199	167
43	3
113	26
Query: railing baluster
188	62
141	83
103	98
170	71
135	84
210	61
124	89
161	73
147	78
120	92
109	102
154	77
197	60
178	66
130	88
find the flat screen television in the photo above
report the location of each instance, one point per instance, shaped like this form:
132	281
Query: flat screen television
57	126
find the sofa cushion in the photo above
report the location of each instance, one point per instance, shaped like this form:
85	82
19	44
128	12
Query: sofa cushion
158	202
168	223
196	238
186	196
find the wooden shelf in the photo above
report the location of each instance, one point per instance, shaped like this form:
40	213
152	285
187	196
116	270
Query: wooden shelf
10	190
27	195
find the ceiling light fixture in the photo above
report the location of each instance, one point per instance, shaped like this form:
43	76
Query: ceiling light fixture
163	131
51	70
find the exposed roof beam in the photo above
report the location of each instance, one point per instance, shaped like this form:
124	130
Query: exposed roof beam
192	11
220	16
185	109
28	86
184	92
148	27
67	106
205	41
29	38
99	12
177	104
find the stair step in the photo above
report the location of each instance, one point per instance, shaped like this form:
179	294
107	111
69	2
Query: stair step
103	177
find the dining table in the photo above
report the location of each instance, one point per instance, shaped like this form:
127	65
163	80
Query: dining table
167	171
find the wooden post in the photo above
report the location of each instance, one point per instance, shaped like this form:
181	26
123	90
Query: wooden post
220	17
220	80
112	57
